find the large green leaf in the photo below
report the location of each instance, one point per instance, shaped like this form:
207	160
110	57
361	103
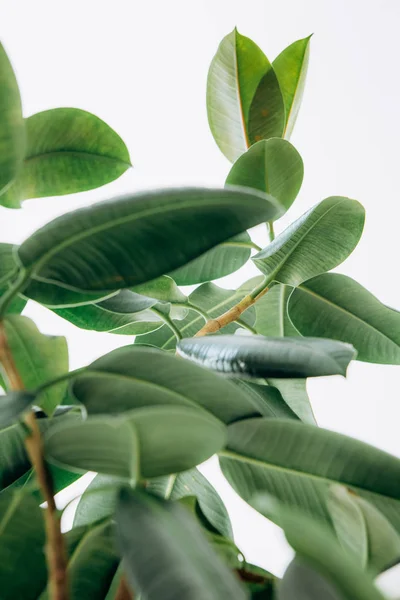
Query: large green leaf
176	561
272	166
98	500
318	241
148	442
302	582
336	306
68	150
12	406
272	317
38	358
133	239
267	110
138	376
318	549
23	566
8	268
12	128
209	298
363	530
294	392
297	463
268	399
163	288
291	70
260	357
218	262
234	74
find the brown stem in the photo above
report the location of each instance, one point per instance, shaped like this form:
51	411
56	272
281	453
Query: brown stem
55	548
230	315
123	591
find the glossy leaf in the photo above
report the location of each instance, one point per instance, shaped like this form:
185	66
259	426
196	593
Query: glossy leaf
336	306
134	239
218	262
235	72
210	298
267	110
260	357
291	70
23	567
363	530
138	376
318	241
297	463
13	405
150	441
272	166
38	358
12	128
176	561
272	317
68	150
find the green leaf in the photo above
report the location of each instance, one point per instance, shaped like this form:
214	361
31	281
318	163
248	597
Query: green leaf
68	150
138	376
297	463
336	306
259	582
149	441
319	550
176	561
12	137
272	317
269	400
234	74
12	405
363	530
294	393
267	110
38	358
291	70
98	500
209	298
302	582
260	357
272	166
318	241
23	566
218	262
8	269
134	239
163	288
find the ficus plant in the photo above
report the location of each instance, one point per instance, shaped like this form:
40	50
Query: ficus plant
213	372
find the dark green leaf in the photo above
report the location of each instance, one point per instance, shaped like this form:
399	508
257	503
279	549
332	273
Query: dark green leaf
268	399
38	358
294	392
210	298
267	110
23	565
138	376
134	239
259	582
176	561
297	463
218	262
12	128
260	357
302	582
336	306
318	241
233	78
68	150
272	166
291	70
12	405
98	500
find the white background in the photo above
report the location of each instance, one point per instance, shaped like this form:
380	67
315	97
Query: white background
142	67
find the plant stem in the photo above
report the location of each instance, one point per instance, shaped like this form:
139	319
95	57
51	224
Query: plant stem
55	549
168	322
250	244
233	314
17	286
271	231
123	592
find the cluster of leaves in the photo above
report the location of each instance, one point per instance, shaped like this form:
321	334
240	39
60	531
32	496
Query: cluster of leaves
144	416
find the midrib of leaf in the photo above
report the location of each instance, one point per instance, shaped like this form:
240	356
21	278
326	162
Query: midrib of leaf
347	312
239	98
230	454
78	550
77	153
9	513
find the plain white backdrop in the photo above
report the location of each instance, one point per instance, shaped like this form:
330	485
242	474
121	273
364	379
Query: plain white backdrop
142	67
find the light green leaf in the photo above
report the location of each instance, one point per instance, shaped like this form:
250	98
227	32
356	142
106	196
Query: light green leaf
134	239
267	110
68	150
8	269
336	306
235	72
299	462
163	288
272	166
12	128
23	565
98	500
294	392
261	357
268	399
13	405
272	317
38	358
291	70
138	376
209	298
176	561
218	262
318	241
